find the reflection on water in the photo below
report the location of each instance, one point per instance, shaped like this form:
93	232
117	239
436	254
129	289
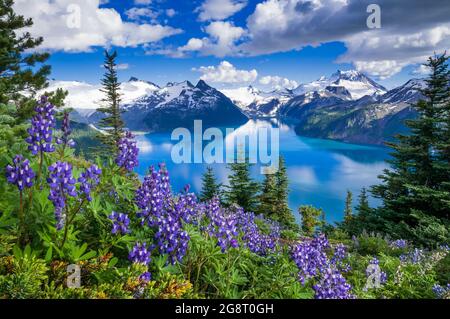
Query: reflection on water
320	171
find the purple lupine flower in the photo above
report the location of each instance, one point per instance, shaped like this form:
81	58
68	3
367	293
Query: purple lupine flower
340	254
65	140
140	254
41	130
399	243
120	223
310	257
222	225
253	238
127	156
20	173
145	277
62	184
371	270
88	180
332	285
415	256
441	292
161	211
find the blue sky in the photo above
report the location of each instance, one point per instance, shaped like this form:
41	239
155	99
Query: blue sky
287	41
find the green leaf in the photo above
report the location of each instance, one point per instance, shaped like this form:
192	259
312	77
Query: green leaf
49	254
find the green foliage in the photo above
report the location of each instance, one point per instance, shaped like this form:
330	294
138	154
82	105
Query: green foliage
310	219
112	124
210	187
372	244
442	270
417	183
274	197
22	275
242	189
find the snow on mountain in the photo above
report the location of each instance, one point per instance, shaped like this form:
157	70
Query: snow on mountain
355	82
85	97
406	93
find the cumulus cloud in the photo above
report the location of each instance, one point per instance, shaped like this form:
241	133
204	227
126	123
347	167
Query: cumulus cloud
219	9
406	36
141	14
80	25
222	40
278	82
225	72
421	70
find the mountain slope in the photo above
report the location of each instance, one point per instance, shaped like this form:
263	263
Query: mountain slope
200	102
369	120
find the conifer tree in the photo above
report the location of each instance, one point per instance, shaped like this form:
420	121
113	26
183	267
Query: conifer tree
282	191
210	187
348	212
23	72
268	201
112	124
414	194
242	189
310	219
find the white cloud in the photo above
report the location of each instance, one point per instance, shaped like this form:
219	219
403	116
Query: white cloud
142	2
97	26
225	72
404	38
122	66
219	9
222	40
170	12
278	82
381	69
421	70
141	14
194	44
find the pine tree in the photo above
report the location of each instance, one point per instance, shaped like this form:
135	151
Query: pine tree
20	71
415	200
348	212
363	207
210	187
22	74
282	186
112	124
242	189
268	201
310	219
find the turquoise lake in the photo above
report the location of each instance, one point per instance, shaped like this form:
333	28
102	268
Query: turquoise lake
320	171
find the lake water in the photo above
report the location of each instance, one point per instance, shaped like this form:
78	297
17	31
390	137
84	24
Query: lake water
320	171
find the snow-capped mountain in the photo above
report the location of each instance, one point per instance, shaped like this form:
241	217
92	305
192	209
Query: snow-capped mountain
85	98
406	93
371	119
353	81
257	103
342	85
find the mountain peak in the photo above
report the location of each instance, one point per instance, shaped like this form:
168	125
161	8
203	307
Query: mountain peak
201	85
133	79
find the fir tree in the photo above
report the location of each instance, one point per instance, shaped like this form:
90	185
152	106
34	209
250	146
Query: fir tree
282	191
310	219
268	201
348	212
242	189
210	187
112	124
415	199
22	74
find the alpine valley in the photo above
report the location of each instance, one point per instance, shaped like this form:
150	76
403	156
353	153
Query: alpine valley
346	106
